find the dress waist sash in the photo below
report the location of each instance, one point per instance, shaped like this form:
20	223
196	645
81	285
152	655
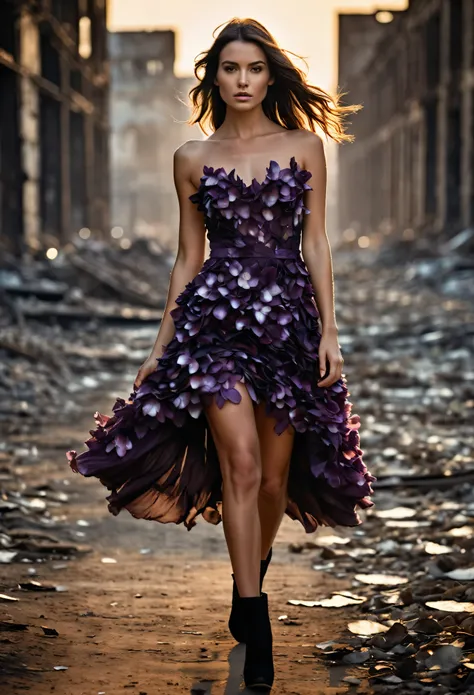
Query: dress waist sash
259	250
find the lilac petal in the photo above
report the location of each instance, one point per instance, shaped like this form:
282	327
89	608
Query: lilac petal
258	330
231	395
211	279
152	408
182	401
196	381
184	359
220	311
193	366
284	317
208	382
233	193
211	181
195	411
122	444
273	170
243	280
261	315
144	389
243	210
270	196
249	226
235	268
242	323
204	291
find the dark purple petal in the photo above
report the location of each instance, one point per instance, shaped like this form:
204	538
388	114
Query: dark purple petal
273	170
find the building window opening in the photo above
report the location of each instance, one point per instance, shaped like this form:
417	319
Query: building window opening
85	43
154	67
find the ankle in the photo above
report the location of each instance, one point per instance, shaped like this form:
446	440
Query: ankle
251	595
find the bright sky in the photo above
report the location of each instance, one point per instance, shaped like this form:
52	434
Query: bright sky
306	27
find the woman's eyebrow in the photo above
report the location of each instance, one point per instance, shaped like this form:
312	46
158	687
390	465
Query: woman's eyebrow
234	62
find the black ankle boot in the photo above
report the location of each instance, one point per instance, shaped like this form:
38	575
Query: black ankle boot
258	666
236	623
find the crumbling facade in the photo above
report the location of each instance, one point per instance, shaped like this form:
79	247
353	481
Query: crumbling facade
411	169
53	123
148	113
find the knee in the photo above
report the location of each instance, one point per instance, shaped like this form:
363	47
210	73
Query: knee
273	486
243	470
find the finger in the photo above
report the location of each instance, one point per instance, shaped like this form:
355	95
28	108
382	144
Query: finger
332	374
331	377
322	362
338	371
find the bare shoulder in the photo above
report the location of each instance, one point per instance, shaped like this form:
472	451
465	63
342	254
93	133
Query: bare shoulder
310	142
187	153
187	158
311	147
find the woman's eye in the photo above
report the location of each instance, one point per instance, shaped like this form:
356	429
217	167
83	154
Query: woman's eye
229	68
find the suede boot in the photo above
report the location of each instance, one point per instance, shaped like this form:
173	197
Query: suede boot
258	666
236	623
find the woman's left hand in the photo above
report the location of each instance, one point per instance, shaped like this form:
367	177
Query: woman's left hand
330	352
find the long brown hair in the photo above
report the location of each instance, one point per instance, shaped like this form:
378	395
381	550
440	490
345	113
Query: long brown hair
290	100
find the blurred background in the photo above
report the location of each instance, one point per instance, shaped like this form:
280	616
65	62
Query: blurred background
93	103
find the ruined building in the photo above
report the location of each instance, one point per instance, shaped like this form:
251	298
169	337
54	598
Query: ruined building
53	123
148	110
411	169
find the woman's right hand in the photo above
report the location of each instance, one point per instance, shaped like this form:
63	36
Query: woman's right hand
145	370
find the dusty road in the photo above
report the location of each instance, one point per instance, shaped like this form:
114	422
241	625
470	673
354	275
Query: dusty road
153	619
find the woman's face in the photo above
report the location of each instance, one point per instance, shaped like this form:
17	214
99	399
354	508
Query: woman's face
243	68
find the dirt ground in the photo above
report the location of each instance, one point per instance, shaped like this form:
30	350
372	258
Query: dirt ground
153	621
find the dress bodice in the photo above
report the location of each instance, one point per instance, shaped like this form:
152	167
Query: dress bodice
263	218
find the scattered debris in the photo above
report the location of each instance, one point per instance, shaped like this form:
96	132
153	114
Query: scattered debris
49	631
36	586
338	600
6	626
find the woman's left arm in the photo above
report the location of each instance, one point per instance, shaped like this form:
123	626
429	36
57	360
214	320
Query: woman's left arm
316	253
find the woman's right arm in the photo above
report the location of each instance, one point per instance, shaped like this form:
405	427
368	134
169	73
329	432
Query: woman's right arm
190	253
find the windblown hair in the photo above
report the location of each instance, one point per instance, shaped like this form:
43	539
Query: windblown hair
290	101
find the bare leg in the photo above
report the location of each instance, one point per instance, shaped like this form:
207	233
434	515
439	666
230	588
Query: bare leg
236	438
275	451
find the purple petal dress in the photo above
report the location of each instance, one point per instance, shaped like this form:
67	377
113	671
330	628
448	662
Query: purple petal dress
248	316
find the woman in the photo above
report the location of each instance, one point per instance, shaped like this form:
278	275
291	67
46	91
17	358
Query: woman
241	407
